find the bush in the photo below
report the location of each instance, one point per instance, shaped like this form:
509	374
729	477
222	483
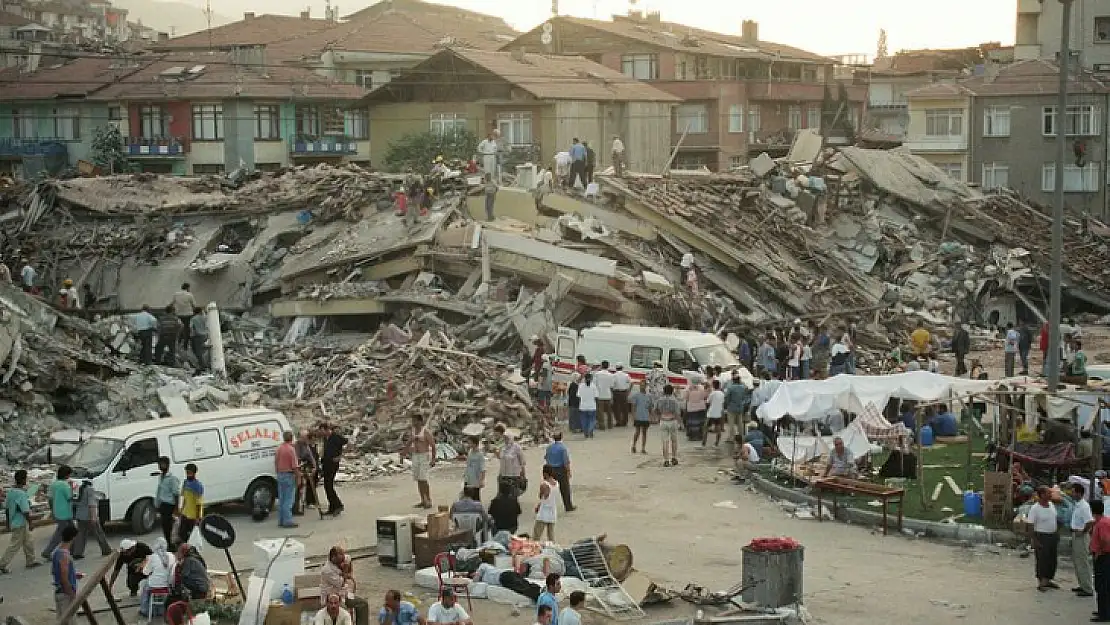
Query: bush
419	150
107	149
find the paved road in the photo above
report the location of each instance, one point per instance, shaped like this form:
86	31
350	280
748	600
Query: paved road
668	517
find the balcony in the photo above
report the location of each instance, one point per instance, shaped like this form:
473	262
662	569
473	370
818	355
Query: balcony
936	144
894	106
19	148
787	91
169	147
305	145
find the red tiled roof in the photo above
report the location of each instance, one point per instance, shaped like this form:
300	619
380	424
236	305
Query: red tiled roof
216	77
1034	77
394	32
77	79
546	77
259	30
940	90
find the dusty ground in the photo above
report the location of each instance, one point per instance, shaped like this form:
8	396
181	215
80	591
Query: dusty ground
667	516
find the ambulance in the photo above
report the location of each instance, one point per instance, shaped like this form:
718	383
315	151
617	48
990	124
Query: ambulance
682	352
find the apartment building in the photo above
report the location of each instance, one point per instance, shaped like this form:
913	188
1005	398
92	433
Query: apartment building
741	95
890	78
999	130
1039	25
183	114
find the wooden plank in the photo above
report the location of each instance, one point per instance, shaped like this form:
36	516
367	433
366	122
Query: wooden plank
936	491
952	484
91	583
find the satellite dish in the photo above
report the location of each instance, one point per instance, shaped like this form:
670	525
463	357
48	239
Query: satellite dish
547	27
545	39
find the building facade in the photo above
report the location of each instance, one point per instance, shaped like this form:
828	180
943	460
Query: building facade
1039	25
741	95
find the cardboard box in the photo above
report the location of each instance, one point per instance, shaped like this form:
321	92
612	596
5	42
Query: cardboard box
306	590
284	615
439	524
426	547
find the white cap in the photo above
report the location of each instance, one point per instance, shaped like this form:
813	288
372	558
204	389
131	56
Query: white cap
126	544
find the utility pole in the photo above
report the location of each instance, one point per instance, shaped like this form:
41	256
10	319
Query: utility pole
1057	275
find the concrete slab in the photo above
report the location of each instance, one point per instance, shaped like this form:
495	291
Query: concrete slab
542	251
337	307
762	164
614	221
806	146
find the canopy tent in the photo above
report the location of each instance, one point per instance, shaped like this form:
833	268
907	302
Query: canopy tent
811	400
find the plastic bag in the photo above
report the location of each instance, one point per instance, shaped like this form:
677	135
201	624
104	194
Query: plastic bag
196	540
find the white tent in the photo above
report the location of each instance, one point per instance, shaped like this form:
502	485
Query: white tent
810	400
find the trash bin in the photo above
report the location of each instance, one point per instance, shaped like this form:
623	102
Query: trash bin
774	577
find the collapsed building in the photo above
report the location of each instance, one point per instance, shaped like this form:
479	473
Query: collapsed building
334	304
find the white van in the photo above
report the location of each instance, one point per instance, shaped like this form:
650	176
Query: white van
637	347
233	450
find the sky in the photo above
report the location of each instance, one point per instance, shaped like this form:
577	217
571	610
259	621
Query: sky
821	26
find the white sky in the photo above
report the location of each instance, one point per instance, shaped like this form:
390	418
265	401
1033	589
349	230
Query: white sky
822	26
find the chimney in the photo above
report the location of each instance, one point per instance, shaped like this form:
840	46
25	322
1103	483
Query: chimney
306	14
653	17
518	54
248	16
749	31
163	37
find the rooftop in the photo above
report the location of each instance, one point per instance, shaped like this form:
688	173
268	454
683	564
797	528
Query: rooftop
11	19
251	30
1023	78
78	78
545	77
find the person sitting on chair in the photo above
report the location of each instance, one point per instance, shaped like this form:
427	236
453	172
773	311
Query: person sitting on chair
841	461
337	578
469	513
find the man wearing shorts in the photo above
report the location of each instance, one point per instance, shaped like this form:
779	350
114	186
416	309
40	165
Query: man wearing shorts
641	416
668	410
421	450
715	414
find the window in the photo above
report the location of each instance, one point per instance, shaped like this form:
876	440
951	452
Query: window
141	453
813	117
364	78
692	118
1076	179
644	356
691	162
448	123
356	124
1082	120
944	122
735	118
308	121
640	66
67	123
996	121
267	121
564	348
193	446
735	162
809	74
678	361
516	128
753	118
152	122
23	124
1102	29
334	122
115	113
953	170
794	117
204	169
208	122
996	175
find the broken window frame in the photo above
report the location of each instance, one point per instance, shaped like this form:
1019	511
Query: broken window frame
794	117
515	127
991	174
950	120
208	122
996	121
267	122
1076	179
153	122
443	124
692	118
641	66
736	118
1079	115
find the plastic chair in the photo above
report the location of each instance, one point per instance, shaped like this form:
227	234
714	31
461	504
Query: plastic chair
157	597
454	583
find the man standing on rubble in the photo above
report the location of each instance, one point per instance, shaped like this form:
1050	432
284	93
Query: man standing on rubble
961	346
577	163
422	452
591	162
27	276
288	476
145	324
197	329
487	153
169	326
618	156
1025	343
184	305
1010	348
767	361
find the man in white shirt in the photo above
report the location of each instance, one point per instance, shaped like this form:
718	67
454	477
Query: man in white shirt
1081	523
487	152
603	380
447	610
622	383
571	615
618	157
1046	540
715	417
333	613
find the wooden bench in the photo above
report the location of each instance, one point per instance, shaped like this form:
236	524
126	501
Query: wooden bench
838	486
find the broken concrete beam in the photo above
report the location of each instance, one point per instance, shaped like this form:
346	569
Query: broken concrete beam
568	205
762	164
656	282
542	251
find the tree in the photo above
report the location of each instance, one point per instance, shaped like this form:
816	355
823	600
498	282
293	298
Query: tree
107	149
418	150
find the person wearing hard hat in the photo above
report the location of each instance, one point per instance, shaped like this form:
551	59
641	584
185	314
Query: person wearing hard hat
68	298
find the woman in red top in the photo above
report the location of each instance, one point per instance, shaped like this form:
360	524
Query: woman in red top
1044	346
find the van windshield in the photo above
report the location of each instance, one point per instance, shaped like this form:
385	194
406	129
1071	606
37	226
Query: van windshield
718	354
93	456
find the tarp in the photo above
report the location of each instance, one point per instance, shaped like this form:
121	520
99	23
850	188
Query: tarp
805	448
810	400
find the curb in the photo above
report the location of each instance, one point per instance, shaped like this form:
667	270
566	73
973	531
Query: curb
930	529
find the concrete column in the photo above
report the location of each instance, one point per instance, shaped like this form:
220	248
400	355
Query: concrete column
216	341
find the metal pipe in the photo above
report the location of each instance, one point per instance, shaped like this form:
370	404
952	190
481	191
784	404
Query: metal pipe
1052	363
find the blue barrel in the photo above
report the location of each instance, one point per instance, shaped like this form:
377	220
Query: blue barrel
926	436
973	504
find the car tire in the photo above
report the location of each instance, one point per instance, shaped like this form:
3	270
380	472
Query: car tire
143	517
262	491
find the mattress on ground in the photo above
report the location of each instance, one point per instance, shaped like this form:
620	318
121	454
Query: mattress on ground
426	578
503	595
